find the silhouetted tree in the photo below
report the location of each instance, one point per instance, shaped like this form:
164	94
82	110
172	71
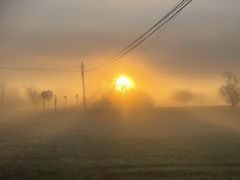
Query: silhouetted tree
230	92
34	95
183	96
47	97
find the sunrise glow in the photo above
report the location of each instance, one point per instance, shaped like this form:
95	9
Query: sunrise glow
123	84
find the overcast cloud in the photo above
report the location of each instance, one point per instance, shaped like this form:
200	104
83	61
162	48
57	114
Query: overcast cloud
206	34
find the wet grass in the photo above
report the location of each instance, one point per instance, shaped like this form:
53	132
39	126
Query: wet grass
170	143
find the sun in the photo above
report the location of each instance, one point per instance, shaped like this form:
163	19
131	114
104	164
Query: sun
123	84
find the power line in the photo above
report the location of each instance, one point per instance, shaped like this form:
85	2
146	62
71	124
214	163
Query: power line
72	70
161	23
157	36
140	42
43	69
148	31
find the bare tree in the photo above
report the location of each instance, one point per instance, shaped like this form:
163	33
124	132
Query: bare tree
34	95
47	97
230	91
183	96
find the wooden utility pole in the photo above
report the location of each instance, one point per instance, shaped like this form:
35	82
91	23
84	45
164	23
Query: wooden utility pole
65	101
83	85
55	103
3	94
77	102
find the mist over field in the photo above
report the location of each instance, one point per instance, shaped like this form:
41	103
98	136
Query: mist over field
155	143
116	89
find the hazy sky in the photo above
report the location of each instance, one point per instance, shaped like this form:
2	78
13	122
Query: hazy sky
205	37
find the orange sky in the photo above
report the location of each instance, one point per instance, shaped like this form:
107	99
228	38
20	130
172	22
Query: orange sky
204	38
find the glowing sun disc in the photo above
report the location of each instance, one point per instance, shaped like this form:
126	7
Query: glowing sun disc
123	84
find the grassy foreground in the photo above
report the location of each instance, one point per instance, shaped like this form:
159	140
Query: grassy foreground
167	143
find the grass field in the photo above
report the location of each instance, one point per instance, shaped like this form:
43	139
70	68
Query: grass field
165	143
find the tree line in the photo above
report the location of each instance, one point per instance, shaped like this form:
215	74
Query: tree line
45	97
229	91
